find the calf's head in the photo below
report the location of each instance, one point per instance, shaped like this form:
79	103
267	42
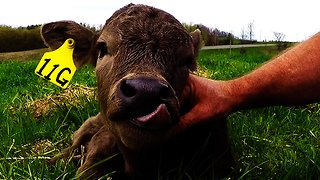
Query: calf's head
143	57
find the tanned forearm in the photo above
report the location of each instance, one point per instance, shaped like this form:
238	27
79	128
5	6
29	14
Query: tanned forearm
292	78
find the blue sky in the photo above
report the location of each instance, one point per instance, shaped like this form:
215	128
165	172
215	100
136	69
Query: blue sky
296	19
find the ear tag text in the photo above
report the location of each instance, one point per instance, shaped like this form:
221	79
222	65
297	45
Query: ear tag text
57	66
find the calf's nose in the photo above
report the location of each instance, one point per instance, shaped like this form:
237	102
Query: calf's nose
144	90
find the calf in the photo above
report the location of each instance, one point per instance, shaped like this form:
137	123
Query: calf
143	57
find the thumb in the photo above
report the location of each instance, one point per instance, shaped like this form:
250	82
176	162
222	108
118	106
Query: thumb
188	120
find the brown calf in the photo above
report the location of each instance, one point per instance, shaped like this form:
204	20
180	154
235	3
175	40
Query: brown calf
143	57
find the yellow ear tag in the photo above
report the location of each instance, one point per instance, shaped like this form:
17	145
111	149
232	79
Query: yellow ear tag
57	66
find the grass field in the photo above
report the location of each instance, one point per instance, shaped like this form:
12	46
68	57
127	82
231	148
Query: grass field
37	120
273	142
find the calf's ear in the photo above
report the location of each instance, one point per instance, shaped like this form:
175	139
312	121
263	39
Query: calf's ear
196	41
54	35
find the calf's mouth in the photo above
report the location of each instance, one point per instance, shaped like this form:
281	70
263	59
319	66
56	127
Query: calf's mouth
147	103
158	119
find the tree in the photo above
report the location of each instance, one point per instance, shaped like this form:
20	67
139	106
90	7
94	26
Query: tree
230	38
279	36
279	40
243	34
20	39
250	31
211	36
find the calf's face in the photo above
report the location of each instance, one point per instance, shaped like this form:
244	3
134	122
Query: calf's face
143	57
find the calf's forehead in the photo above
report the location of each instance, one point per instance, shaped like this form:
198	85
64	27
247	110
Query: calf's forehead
141	12
144	24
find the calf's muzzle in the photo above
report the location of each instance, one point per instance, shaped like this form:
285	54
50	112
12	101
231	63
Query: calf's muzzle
139	91
148	102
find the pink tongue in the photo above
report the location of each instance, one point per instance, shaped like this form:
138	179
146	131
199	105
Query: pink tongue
158	117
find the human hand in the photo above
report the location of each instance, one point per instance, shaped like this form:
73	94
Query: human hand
208	100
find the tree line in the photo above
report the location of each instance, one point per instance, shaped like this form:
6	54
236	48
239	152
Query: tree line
27	38
14	39
20	39
214	36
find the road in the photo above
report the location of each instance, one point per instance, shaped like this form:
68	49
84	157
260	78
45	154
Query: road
237	46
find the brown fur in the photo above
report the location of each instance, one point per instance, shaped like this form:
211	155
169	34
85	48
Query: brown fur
139	44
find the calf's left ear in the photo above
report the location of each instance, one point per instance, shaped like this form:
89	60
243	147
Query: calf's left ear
54	35
196	41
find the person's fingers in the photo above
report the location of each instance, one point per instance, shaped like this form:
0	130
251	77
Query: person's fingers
188	120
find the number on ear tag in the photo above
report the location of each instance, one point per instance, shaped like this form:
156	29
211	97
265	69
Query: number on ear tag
58	66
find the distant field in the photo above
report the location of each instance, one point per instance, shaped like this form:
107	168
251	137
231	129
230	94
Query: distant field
37	120
23	55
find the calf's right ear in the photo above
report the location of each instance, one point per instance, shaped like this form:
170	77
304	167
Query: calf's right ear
54	35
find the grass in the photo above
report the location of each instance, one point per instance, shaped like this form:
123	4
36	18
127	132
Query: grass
29	139
273	142
38	119
223	64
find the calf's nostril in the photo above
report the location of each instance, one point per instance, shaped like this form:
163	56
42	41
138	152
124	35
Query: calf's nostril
164	92
127	89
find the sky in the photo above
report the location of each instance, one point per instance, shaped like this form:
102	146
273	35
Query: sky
296	19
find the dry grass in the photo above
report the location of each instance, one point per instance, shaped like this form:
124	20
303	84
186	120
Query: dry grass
70	96
23	55
202	72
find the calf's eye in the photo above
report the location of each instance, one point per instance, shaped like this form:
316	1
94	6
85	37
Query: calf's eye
102	49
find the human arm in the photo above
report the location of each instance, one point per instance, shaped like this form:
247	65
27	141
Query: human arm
292	78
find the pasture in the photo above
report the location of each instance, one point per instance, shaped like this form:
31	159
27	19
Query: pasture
38	118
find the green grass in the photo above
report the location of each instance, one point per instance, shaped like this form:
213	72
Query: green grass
273	142
27	141
268	143
223	64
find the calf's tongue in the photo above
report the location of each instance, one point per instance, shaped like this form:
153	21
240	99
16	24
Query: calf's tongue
159	117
